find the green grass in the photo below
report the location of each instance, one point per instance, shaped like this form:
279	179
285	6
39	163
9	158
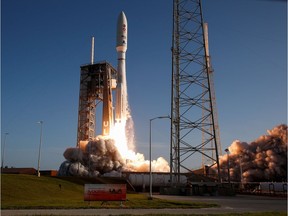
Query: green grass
24	191
31	192
27	191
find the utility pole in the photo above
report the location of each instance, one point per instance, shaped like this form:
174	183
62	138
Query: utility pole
40	144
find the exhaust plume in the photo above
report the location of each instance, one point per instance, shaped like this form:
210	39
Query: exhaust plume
101	157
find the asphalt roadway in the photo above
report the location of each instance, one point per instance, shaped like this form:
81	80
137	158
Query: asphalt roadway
233	204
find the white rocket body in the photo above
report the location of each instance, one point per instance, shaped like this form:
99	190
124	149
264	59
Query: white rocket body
121	47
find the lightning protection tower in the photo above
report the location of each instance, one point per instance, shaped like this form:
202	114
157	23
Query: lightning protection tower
193	126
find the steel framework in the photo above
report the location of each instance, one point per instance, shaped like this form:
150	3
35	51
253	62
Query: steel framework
95	87
193	128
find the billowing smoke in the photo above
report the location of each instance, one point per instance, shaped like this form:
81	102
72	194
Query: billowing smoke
101	157
97	157
264	159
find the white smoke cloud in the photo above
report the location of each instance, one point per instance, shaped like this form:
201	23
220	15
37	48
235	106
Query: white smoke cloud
264	159
140	165
101	157
98	157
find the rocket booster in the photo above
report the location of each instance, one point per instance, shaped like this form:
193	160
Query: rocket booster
121	43
121	47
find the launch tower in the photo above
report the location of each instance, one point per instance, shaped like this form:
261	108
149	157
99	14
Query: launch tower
96	84
193	115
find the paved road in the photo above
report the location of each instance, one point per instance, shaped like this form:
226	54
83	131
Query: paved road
240	203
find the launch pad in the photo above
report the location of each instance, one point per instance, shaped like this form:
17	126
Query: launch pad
194	127
96	84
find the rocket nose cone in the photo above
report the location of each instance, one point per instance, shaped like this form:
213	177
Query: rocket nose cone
121	19
122	28
122	16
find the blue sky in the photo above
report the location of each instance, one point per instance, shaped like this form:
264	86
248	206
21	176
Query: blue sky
43	44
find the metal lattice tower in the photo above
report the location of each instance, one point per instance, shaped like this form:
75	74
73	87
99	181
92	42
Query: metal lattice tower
193	130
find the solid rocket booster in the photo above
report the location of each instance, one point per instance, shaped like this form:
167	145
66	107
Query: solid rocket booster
121	47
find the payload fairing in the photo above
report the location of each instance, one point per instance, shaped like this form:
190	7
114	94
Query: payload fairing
121	47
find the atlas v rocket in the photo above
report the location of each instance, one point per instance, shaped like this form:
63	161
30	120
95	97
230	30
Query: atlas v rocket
121	47
97	80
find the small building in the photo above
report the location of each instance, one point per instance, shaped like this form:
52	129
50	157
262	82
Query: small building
48	172
27	171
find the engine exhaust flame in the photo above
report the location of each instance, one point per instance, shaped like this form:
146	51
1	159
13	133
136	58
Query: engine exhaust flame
109	155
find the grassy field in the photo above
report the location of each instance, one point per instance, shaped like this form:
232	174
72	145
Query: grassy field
31	192
27	191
